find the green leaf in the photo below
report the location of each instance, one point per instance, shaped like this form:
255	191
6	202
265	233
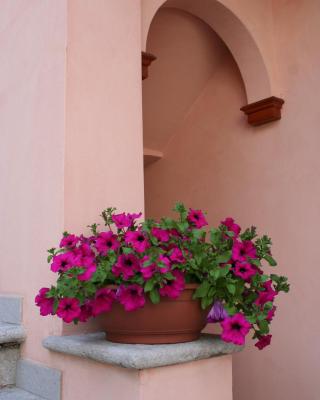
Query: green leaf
127	250
270	260
202	290
154	296
149	285
231	288
223	258
263	326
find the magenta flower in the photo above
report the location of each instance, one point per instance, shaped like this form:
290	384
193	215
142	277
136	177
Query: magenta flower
264	341
85	258
161	234
69	241
103	301
125	220
231	226
63	262
235	329
217	313
165	264
127	265
147	271
242	250
131	297
196	218
138	240
69	309
173	288
176	256
244	270
271	313
85	312
267	295
45	303
106	241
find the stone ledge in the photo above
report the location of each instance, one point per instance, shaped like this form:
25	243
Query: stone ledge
11	333
17	394
95	347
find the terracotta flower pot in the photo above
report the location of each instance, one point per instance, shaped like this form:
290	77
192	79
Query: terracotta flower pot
170	321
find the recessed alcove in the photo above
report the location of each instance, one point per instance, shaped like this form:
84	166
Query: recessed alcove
191	117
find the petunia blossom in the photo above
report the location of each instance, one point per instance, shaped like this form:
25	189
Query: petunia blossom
264	341
235	329
63	262
271	313
217	313
244	270
197	218
85	312
131	297
69	241
127	265
124	220
69	309
138	240
161	234
102	301
106	241
173	288
231	226
45	303
241	251
176	256
268	294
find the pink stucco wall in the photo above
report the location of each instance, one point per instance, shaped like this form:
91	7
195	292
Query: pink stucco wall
32	81
265	176
71	144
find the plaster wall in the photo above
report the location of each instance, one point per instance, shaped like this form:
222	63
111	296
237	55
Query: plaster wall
71	145
32	85
265	176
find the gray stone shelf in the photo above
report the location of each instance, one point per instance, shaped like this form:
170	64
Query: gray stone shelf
11	333
95	347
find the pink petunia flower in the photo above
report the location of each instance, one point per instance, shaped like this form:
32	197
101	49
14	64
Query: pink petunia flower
166	264
103	301
69	309
231	226
124	220
161	234
138	240
69	241
131	297
176	256
45	303
127	265
85	312
63	262
85	258
242	250
267	295
196	218
147	271
264	341
235	329
271	313
244	270
173	288
106	241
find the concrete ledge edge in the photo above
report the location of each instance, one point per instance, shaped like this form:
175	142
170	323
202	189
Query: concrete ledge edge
95	347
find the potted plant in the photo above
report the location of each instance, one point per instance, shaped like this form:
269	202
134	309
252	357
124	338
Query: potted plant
161	282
